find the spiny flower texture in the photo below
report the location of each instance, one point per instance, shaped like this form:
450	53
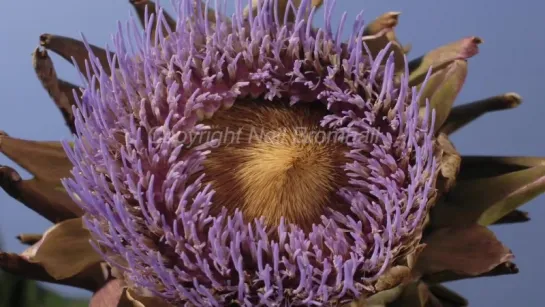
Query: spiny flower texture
254	222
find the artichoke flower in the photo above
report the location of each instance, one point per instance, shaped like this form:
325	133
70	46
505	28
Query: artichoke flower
256	160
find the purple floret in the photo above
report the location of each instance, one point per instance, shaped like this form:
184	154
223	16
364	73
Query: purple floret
148	210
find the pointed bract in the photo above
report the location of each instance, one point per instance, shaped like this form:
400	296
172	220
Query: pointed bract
488	199
48	163
29	238
471	250
380	33
442	89
442	57
466	113
475	167
40	196
68	47
512	217
522	187
61	92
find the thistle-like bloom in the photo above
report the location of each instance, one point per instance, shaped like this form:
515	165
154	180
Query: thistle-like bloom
294	220
256	160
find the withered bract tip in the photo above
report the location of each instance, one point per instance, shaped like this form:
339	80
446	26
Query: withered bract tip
513	99
45	39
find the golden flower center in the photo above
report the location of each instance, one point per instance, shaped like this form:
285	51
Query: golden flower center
275	160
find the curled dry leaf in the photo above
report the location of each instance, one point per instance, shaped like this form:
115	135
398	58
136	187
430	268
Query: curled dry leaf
91	279
64	250
40	196
47	161
68	47
61	92
29	238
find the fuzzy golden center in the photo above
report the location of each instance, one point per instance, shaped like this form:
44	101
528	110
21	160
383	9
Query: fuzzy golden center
273	160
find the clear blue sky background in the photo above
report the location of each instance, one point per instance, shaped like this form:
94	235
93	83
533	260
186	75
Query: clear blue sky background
511	59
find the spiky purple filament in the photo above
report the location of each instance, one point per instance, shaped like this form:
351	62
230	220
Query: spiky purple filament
132	173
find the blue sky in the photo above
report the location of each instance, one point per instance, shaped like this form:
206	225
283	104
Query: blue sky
510	59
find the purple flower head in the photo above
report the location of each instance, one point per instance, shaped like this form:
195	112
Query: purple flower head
256	221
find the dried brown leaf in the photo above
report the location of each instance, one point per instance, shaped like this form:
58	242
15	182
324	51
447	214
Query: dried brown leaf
68	47
29	238
471	250
47	161
91	279
60	91
40	196
64	251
